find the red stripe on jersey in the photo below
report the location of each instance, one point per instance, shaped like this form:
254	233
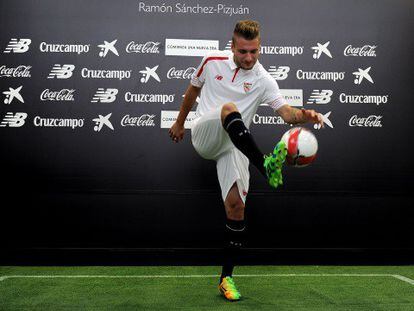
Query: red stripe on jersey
205	62
237	70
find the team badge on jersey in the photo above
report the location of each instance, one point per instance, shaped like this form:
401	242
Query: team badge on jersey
247	86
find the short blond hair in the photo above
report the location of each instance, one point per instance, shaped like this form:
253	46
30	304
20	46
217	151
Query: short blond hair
248	29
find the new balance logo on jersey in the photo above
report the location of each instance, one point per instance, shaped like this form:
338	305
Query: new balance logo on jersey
61	71
279	73
148	73
321	48
105	96
218	77
320	97
106	47
360	75
100	121
18	46
14	120
326	121
12	94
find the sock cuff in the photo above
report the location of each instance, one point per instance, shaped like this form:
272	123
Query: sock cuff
235	225
232	117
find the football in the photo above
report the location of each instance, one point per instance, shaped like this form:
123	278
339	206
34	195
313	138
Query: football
301	145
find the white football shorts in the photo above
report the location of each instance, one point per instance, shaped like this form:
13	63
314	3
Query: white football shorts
212	142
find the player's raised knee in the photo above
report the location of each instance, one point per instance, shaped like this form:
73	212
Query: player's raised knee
227	109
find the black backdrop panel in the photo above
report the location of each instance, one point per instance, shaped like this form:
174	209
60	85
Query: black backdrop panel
131	187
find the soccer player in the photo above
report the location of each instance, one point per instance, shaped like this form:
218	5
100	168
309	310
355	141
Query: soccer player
232	85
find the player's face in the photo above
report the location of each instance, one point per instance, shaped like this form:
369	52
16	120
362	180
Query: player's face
246	52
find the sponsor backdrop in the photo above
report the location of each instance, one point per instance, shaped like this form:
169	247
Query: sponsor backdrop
89	90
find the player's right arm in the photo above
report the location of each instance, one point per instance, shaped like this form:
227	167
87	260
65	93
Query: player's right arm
177	130
193	91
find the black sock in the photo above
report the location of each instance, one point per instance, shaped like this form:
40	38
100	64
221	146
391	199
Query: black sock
243	140
234	232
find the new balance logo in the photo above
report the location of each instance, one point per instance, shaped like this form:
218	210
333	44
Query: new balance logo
100	121
61	71
218	77
106	47
320	97
360	75
18	46
321	48
148	73
105	96
12	94
279	73
326	121
14	120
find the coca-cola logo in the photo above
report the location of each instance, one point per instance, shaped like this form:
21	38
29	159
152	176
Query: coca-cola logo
149	47
62	95
366	50
144	120
370	121
174	73
21	71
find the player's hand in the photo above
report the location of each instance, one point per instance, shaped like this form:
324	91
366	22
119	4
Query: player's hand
176	132
312	116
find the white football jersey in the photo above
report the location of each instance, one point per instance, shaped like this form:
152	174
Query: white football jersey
223	82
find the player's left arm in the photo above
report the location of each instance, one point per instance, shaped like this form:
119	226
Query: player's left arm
297	116
273	97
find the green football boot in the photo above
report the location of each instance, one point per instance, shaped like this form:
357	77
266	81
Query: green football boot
228	289
273	164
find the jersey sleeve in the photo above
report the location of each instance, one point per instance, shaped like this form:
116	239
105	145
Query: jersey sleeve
272	95
198	77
